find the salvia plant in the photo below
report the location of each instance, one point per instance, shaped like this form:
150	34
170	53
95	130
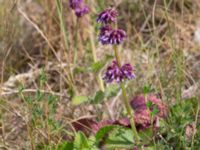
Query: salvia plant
143	111
147	122
116	72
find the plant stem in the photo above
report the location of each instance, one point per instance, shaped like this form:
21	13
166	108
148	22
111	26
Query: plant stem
76	41
66	43
125	99
100	82
28	125
196	121
99	79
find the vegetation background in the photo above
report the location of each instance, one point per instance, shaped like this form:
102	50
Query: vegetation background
46	59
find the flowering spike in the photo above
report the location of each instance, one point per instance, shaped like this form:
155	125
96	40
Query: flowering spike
127	70
117	36
114	72
105	32
79	7
75	3
111	36
81	11
107	16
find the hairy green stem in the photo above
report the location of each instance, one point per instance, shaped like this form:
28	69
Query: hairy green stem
125	99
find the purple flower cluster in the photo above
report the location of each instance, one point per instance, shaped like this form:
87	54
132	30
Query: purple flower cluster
79	7
114	72
111	36
107	16
108	35
75	3
104	36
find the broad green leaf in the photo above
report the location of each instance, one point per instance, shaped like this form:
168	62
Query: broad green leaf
66	146
98	97
92	143
77	100
103	132
146	135
120	137
81	142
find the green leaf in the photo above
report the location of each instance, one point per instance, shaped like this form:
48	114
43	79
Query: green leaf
39	95
66	146
155	111
146	135
104	131
112	91
96	67
79	70
42	77
92	143
149	104
29	99
77	100
147	89
114	136
81	142
120	137
98	97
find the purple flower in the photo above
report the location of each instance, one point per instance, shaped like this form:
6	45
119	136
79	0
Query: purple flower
107	16
75	3
81	11
111	36
127	70
79	7
114	72
105	32
117	36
